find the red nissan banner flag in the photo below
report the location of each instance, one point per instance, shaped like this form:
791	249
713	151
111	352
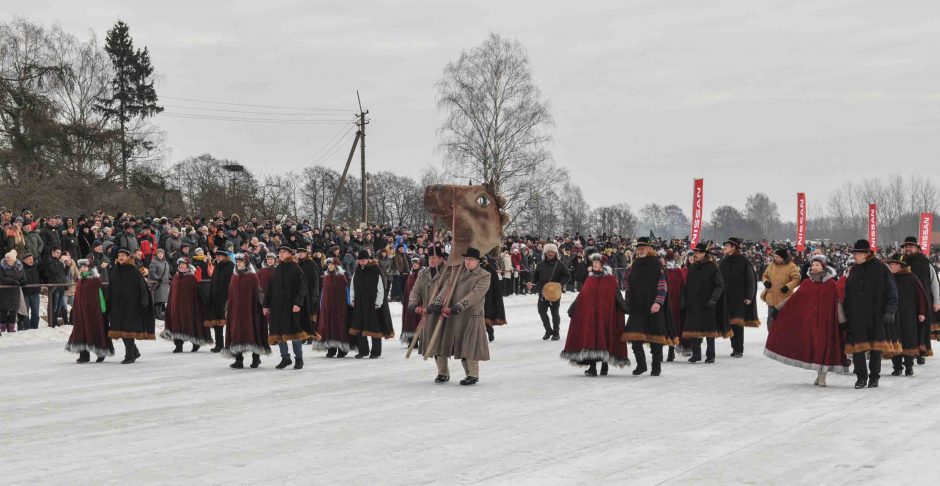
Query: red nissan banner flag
926	231
800	221
873	226
697	198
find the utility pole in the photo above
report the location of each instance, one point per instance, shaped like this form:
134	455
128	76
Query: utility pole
362	122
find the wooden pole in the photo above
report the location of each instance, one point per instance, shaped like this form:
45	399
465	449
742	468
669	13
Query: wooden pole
446	301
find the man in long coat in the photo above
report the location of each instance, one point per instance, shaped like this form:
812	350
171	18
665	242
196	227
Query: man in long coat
704	305
311	269
218	297
740	292
927	274
367	295
130	306
646	295
284	301
870	303
464	333
421	294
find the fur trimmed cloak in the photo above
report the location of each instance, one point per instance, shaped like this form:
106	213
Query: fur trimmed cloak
246	331
333	316
596	323
90	327
183	318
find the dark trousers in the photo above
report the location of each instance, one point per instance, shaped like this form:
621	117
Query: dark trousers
737	340
364	346
709	348
219	336
873	370
544	306
656	353
905	361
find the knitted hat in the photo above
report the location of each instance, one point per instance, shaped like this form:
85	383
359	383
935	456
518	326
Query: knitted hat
11	255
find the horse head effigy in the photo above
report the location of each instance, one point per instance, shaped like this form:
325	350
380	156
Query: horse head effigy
473	213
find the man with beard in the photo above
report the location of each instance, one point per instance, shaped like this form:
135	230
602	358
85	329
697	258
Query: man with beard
218	298
704	305
550	269
366	293
646	292
130	307
740	293
284	301
925	272
311	268
870	303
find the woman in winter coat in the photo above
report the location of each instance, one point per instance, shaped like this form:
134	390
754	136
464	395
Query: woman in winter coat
11	273
159	277
333	317
90	329
246	330
807	333
597	322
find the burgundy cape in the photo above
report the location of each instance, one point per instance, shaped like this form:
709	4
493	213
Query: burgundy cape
806	332
333	317
246	329
596	324
184	313
675	279
409	318
90	328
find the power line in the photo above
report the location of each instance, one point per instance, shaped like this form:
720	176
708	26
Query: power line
257	120
255	106
281	113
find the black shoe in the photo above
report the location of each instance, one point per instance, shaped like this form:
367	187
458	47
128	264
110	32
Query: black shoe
128	360
136	353
361	355
896	372
909	371
710	360
555	337
342	354
298	363
285	362
100	359
331	353
591	371
179	347
470	380
195	348
873	383
737	354
640	369
255	360
238	364
921	360
604	369
860	383
216	349
657	369
490	334
83	357
694	359
375	356
655	372
547	336
442	379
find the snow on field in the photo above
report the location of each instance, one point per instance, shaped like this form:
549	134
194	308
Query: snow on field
533	419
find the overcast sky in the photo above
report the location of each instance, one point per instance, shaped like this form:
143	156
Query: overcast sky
752	95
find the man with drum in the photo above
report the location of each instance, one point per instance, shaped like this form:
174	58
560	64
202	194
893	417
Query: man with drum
549	277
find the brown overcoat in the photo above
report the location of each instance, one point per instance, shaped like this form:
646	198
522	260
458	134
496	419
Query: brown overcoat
464	334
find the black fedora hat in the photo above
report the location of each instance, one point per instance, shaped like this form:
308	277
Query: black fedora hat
472	253
734	241
910	240
643	241
899	259
363	255
701	248
862	246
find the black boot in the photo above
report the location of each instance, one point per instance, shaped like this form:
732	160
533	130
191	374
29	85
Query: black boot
298	363
179	345
100	359
860	383
640	356
696	352
219	340
897	371
921	360
470	380
239	362
83	357
341	354
255	360
442	379
909	369
285	362
872	382
331	353
130	352
592	370
195	348
604	369
657	351
672	354
490	334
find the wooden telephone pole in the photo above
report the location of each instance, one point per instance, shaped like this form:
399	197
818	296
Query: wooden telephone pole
360	139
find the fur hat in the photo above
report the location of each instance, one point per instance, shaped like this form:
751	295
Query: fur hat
11	254
363	255
550	247
862	246
783	253
596	257
83	263
821	259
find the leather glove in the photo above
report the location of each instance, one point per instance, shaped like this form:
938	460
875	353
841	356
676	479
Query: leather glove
433	309
767	284
454	310
785	289
712	304
889	318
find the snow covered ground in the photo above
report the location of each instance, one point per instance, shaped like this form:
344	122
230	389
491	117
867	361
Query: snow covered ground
533	419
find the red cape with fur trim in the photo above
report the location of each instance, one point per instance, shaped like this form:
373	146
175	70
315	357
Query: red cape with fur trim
90	329
183	318
596	324
333	317
246	329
